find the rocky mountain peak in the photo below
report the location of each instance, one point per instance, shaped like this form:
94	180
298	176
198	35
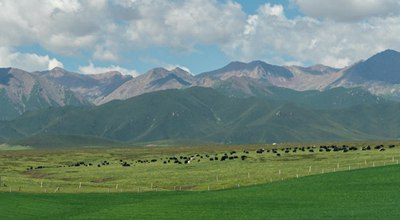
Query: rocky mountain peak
382	67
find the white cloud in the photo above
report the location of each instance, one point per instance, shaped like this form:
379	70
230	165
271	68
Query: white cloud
91	69
334	33
348	10
107	28
183	24
101	53
278	39
62	26
27	61
172	67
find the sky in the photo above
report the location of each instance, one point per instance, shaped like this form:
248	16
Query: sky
134	36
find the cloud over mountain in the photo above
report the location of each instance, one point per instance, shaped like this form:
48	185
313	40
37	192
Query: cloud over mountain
348	10
334	33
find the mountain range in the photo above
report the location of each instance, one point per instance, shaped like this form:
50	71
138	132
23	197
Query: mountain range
204	115
251	102
22	91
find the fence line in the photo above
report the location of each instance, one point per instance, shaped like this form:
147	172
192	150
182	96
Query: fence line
8	184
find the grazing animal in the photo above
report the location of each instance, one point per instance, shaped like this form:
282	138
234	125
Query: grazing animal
125	164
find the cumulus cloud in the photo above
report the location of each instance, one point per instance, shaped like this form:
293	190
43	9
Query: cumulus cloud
182	24
27	61
92	69
170	67
348	10
102	53
63	26
105	28
271	36
335	33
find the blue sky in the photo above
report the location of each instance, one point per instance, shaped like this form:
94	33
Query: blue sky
133	36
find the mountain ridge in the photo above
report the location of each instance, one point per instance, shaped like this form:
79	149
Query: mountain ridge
378	75
204	115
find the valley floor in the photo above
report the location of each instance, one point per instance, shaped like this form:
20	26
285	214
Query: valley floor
370	193
144	169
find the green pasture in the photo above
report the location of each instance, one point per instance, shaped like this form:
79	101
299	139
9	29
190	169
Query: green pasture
370	193
203	175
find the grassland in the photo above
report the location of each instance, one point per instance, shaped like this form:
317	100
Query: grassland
370	193
201	175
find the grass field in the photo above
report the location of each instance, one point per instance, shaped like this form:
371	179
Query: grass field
370	193
58	176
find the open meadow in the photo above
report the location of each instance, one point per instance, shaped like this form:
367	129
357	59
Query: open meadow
352	180
370	193
140	169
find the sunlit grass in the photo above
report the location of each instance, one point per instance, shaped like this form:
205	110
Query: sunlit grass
199	175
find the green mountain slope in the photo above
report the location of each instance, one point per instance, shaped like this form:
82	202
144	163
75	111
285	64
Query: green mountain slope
205	115
312	99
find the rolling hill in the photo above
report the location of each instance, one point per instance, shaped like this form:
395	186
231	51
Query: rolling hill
206	115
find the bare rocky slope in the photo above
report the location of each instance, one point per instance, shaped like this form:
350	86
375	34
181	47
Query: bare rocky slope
21	91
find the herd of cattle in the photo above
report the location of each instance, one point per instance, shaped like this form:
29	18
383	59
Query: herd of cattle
231	155
322	148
